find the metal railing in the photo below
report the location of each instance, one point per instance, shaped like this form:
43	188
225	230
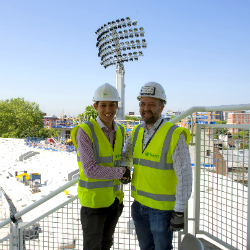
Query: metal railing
218	209
60	228
221	205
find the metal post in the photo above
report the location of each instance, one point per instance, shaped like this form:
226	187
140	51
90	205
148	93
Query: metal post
197	179
120	72
15	241
192	130
248	208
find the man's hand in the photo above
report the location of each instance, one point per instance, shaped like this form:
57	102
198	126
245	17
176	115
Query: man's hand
126	176
177	221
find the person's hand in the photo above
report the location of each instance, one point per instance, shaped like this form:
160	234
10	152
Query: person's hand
177	221
126	176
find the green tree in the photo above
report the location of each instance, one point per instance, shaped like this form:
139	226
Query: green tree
220	131
89	112
246	146
55	132
20	119
242	135
133	118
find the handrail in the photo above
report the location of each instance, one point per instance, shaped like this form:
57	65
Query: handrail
41	201
209	109
54	139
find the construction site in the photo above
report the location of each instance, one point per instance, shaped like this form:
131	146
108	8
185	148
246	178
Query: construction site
66	124
40	166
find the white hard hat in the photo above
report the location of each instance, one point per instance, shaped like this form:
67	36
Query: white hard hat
106	92
152	89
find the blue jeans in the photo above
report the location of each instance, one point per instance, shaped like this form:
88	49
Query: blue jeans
152	227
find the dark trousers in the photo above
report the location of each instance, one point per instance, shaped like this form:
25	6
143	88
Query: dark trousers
98	225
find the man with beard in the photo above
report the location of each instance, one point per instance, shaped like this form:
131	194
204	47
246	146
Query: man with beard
162	174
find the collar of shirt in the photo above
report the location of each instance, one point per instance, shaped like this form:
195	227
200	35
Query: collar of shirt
154	127
102	126
149	133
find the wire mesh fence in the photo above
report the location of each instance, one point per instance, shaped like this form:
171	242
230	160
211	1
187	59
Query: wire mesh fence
57	229
61	228
223	180
5	243
221	206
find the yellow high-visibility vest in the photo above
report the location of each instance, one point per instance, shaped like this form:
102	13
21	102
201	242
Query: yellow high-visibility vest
154	180
97	193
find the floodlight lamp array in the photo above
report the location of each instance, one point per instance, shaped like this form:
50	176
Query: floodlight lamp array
110	42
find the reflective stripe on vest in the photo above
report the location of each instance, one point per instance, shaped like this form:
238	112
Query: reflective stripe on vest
136	135
122	130
99	184
117	163
152	164
107	159
156	197
98	159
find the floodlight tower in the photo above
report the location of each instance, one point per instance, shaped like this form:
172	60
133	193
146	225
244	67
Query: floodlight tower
112	50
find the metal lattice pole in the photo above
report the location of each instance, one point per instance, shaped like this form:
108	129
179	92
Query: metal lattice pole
112	51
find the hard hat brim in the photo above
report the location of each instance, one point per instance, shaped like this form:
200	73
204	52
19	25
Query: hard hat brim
106	100
139	98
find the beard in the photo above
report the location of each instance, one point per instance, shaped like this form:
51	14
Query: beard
150	120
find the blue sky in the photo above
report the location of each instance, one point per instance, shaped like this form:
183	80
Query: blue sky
199	50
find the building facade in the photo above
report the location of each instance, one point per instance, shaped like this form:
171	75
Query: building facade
49	121
238	118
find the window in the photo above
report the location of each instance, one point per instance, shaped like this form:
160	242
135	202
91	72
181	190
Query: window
236	116
245	121
67	134
245	116
236	120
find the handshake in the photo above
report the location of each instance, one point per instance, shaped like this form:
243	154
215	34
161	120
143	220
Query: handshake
126	176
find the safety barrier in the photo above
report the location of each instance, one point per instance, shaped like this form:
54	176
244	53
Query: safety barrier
218	209
221	205
60	228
